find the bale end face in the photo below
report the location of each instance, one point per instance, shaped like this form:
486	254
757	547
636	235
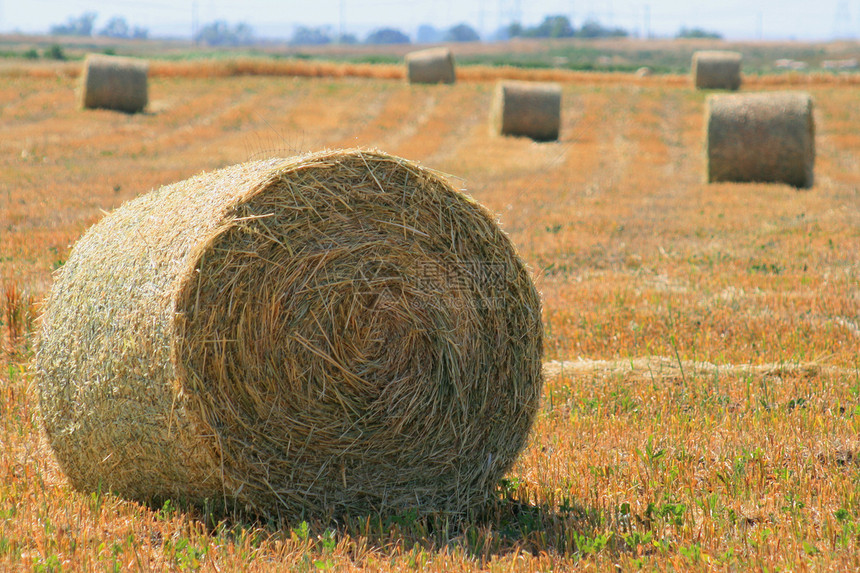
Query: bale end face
763	137
115	83
526	109
297	337
717	70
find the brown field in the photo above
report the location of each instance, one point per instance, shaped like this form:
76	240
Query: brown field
702	406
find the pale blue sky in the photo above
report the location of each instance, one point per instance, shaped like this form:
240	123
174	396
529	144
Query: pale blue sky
736	19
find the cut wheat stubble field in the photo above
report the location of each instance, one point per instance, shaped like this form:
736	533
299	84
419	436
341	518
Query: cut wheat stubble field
641	455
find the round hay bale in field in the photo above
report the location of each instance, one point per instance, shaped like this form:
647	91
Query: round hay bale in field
431	66
526	108
717	70
114	82
341	332
644	72
767	137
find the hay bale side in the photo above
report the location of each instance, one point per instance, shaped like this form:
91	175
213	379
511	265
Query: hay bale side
114	82
337	332
717	70
526	108
431	66
766	137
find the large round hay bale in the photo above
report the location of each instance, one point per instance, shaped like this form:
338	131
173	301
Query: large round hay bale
340	332
431	66
114	82
526	108
717	70
767	137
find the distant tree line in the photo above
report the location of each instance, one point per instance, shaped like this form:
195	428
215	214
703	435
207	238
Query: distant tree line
307	36
84	25
221	33
560	27
685	32
551	27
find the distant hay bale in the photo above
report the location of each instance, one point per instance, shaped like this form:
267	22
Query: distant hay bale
113	82
431	66
526	108
717	70
767	137
334	333
643	72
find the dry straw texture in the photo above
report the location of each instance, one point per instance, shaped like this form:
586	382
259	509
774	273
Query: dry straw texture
526	108
767	137
432	66
717	70
113	82
336	332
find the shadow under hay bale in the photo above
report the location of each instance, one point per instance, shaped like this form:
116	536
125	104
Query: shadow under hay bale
526	108
763	137
336	333
114	82
717	70
431	66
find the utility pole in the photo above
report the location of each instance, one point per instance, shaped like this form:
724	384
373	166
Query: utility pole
509	13
647	23
194	22
340	23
